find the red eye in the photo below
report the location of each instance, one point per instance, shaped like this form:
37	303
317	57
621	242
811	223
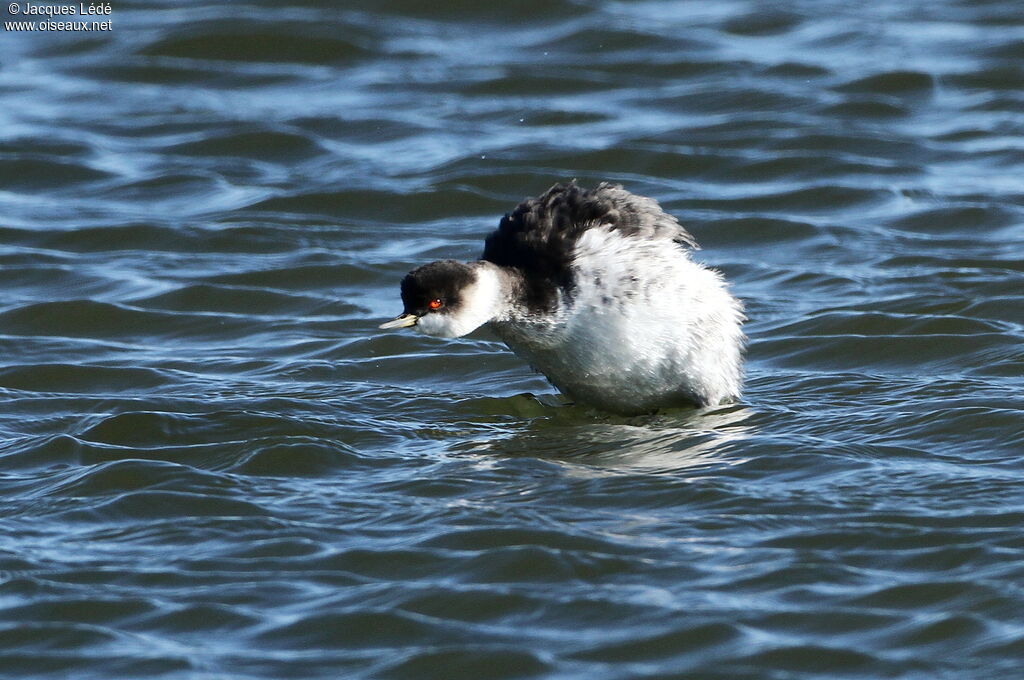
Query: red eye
435	304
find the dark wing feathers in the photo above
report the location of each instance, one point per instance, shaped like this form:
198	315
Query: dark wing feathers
641	216
539	236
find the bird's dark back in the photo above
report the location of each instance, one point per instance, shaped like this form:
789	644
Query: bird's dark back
539	236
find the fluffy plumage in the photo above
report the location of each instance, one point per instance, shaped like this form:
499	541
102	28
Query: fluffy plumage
538	238
596	289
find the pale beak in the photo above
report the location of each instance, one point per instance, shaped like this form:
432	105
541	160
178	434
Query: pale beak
403	321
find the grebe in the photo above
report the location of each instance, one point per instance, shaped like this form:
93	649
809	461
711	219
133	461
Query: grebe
597	291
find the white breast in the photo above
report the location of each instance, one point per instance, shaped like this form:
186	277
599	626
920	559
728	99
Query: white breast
646	327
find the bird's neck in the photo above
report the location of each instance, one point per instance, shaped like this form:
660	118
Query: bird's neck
498	289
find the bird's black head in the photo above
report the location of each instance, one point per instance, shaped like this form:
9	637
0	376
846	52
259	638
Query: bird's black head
437	287
449	299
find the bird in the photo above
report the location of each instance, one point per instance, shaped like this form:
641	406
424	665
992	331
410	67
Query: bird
597	290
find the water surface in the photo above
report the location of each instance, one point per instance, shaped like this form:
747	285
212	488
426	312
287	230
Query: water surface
213	466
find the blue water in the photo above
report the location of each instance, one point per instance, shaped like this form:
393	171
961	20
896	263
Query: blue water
212	464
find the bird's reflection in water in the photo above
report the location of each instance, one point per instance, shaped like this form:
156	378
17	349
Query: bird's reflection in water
668	441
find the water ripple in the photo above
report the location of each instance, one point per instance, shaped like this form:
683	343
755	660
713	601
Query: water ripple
213	465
